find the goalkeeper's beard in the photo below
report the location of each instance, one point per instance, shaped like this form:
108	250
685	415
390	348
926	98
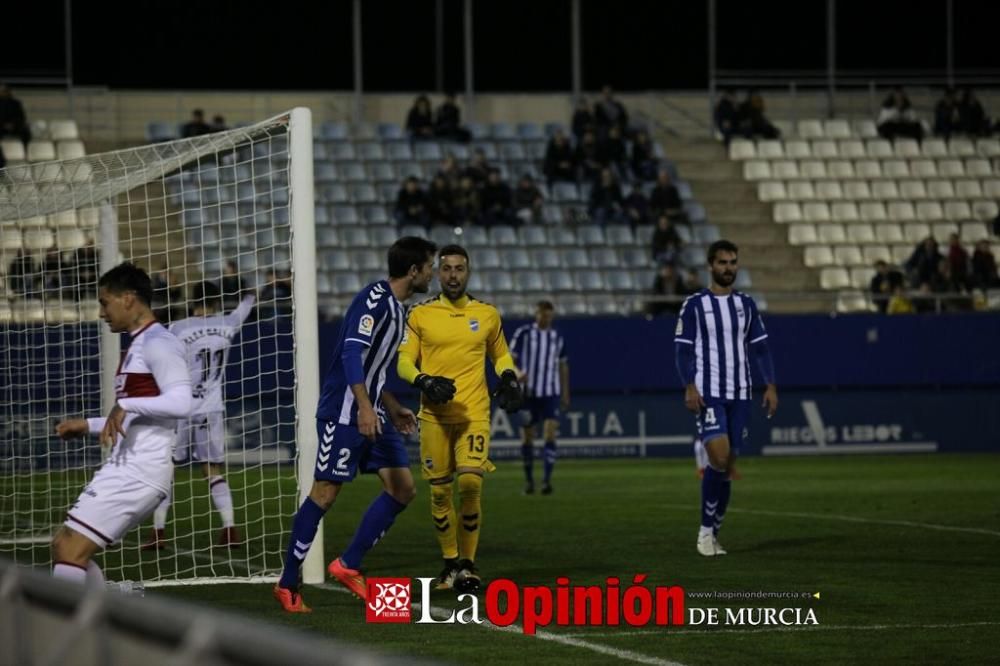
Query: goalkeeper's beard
453	293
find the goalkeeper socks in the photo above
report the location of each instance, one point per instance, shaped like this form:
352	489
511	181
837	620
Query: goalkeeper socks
549	453
69	571
303	532
528	455
160	514
375	523
470	491
711	489
720	512
222	498
445	519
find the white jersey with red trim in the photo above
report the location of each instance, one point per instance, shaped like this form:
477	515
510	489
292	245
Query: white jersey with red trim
153	387
206	343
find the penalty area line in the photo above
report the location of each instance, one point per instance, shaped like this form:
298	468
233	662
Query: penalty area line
666	633
625	655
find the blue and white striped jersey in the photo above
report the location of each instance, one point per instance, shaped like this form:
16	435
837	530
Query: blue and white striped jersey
721	329
376	321
538	353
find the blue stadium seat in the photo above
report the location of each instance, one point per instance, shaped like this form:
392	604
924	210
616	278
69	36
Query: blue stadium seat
565	192
476	284
503	132
478	131
575	258
335	260
530	131
364	132
589	281
684	190
706	234
486	258
604	257
382	172
323	284
327	237
321	215
367	260
333	130
532	236
371	151
558	280
695	212
345	215
591	235
335	193
157	131
353	172
375	215
388	192
399	151
529	281
341	150
693	255
498	281
535	150
443	235
391	132
383	237
619	235
324	172
489	150
683	232
743	280
459	151
512	150
406	169
620	281
603	305
546	259
475	236
561	236
346	283
552	214
516	258
428	150
356	237
502	235
634	257
574	305
319	151
364	194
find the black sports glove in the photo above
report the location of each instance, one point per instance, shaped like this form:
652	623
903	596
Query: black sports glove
508	392
438	390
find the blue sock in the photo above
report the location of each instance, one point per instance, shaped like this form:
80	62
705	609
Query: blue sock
720	512
303	532
374	524
711	489
549	452
528	455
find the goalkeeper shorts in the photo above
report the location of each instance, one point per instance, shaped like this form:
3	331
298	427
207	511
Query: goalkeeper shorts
444	447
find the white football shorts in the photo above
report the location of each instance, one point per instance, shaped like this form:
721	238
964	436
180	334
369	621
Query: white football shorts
113	503
205	434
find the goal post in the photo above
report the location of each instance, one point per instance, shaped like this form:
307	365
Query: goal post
232	208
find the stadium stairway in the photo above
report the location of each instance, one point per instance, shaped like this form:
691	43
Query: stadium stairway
732	205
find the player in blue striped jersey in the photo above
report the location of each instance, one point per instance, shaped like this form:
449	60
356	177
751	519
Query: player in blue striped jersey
352	426
540	353
718	331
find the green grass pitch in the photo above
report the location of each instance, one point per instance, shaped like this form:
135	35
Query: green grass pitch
875	536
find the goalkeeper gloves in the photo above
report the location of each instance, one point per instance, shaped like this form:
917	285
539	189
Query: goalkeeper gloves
508	392
437	390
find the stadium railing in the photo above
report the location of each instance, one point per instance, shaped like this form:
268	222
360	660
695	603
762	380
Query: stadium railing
48	621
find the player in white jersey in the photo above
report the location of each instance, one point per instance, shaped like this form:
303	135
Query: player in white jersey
153	390
207	336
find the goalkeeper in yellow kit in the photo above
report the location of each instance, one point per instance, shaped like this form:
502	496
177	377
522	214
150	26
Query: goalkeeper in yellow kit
443	354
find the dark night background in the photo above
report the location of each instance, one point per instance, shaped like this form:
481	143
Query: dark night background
520	45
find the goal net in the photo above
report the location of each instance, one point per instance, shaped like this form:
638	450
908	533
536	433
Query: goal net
213	219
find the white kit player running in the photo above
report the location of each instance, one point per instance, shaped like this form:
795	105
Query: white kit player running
207	336
153	390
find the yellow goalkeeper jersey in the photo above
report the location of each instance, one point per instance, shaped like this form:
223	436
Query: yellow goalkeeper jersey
454	339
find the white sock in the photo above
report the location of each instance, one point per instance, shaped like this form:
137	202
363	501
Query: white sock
222	499
704	531
160	514
94	574
70	572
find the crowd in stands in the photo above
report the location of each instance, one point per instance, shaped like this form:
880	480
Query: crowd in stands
13	121
72	275
197	125
961	115
930	274
745	119
422	123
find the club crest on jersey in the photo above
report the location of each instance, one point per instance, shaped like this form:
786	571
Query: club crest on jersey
474	325
429	463
366	324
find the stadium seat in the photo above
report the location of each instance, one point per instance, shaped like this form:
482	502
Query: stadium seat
825	149
873	253
847	255
565	192
528	281
934	148
620	281
802	234
589	281
353	172
861	276
399	151
787	212
335	260
517	258
896	169
977	168
956	169
575	258
901	211
364	194
912	189
619	235
831	234
816	211
62	219
985	210
344	151
853	301
771	191
829	190
872	211
916	232
906	148
390	132
70	239
885	189
428	150
923	168
841	169
818	256
38	239
940	189
865	128
545	259
785	170
961	147
159	131
801	191
756	170
324	172
13	150
604	257
591	235
988	147
888	233
834	278
369	151
844	211
562	236
367	260
742	149
973	232
706	234
852	149
942	230
928	211
605	305
901	253
860	233
334	131
836	129
502	235
770	149
346	283
786	128
558	281
810	129
879	149
10	241
870	169
41	151
532	235
991	188
70	150
696	212
856	190
814	169
798	150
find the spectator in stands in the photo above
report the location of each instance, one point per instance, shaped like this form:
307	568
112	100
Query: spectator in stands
753	122
884	284
196	126
465	201
13	121
478	169
900	303
611	152
53	269
665	199
86	262
944	283
449	171
528	200
168	294
972	115
439	202
560	162
947	118
923	263
22	274
984	267
636	206
609	112
448	121
644	162
233	285
726	116
897	117
588	157
692	281
669	285
496	201
411	203
958	261
583	120
605	204
420	119
277	291
666	243
219	123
